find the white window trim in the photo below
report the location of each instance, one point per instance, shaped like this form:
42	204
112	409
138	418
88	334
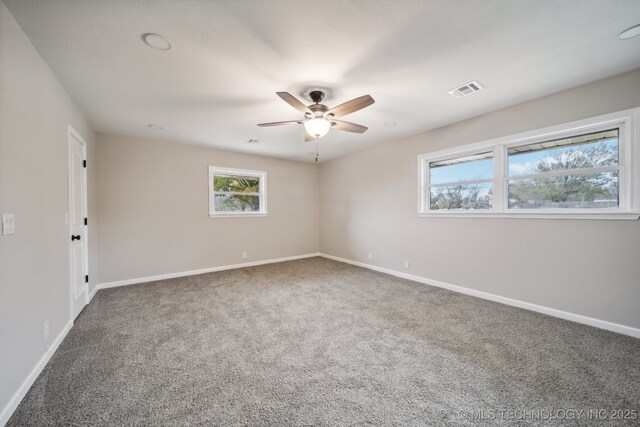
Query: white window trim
629	166
262	175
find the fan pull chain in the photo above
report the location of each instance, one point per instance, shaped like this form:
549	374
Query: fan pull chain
317	150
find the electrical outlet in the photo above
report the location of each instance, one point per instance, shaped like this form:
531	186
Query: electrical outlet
46	329
244	254
370	255
406	264
8	224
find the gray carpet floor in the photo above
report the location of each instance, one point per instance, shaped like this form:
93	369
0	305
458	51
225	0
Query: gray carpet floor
317	342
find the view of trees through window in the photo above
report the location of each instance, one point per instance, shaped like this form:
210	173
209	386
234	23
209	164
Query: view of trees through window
461	183
462	196
236	193
577	172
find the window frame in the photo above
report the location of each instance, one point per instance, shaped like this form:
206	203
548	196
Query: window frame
628	124
262	194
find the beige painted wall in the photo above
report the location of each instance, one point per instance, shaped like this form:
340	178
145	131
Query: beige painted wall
154	214
35	112
588	267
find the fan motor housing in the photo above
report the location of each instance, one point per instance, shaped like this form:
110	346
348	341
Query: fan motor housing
318	109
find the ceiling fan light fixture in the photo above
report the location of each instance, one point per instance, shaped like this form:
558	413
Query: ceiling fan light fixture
318	118
317	127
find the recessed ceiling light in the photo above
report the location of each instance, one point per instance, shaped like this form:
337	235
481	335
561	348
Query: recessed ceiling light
629	33
156	41
155	127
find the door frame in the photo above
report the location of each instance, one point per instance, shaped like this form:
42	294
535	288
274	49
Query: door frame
75	135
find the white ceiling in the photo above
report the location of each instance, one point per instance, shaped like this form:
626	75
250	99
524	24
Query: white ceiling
229	57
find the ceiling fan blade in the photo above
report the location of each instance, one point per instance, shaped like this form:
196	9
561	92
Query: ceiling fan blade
288	122
350	106
294	102
348	126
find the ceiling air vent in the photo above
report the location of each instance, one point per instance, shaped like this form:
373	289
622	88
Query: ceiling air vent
466	89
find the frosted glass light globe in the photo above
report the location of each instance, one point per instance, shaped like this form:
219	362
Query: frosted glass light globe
317	127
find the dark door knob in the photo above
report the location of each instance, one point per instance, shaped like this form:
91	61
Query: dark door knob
77	237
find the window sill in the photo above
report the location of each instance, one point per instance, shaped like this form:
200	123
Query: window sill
629	216
237	215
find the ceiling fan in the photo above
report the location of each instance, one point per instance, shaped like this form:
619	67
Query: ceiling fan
318	118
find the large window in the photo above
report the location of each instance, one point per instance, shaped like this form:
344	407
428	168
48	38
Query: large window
582	169
236	192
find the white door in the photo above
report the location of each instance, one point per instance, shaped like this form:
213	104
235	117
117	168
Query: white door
77	222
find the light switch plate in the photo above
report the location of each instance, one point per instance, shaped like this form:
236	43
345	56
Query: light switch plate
8	224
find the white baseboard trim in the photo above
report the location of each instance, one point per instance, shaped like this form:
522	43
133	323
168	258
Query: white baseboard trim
200	271
602	324
17	397
92	294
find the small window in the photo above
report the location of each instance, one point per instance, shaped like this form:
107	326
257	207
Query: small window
569	173
461	183
237	192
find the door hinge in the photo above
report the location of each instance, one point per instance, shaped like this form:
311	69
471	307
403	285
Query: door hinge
84	163
86	221
86	279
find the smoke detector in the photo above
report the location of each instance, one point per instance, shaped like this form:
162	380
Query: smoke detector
466	89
